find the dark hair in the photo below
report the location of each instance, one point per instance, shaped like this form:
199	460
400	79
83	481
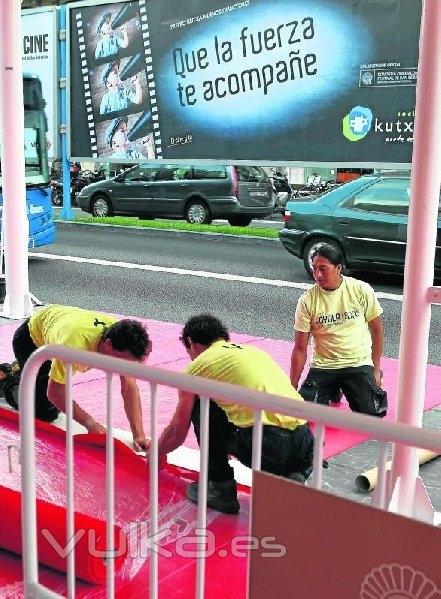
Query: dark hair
128	335
330	252
204	329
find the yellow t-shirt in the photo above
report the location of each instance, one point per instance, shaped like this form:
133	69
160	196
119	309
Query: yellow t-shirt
71	327
338	322
248	367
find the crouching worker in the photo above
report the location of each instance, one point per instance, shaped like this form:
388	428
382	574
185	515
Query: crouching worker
79	329
287	445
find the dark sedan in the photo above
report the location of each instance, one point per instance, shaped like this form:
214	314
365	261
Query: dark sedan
366	219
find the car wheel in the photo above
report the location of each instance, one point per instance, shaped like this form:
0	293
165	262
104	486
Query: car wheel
240	221
198	213
314	244
101	205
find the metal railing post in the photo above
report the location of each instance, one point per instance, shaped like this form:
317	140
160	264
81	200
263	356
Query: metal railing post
70	522
154	508
110	494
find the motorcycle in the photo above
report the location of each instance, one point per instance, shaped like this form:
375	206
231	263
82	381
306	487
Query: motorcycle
77	182
282	191
57	192
313	189
82	180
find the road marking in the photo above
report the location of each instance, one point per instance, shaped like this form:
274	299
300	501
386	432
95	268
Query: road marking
192	273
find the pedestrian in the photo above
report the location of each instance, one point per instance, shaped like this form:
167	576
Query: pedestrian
287	446
343	317
79	329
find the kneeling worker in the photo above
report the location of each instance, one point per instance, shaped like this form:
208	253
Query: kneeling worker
79	329
287	445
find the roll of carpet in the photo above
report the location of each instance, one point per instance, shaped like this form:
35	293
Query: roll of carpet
367	481
89	538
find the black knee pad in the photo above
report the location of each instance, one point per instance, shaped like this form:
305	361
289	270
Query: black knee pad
379	400
309	391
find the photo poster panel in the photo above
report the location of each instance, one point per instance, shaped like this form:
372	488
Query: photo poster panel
113	112
288	81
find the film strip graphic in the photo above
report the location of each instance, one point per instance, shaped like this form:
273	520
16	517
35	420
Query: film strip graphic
86	82
150	78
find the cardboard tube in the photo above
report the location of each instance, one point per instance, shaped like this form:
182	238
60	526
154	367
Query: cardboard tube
368	480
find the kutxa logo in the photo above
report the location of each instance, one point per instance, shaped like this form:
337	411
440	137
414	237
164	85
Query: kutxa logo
357	123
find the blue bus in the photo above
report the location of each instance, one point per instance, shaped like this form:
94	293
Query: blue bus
38	191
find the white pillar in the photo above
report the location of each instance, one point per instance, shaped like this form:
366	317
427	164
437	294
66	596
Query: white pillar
420	254
18	303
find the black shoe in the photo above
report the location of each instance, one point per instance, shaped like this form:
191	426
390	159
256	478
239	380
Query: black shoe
220	496
5	377
6	368
47	415
298	477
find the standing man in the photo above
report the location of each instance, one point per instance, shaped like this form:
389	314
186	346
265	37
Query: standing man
343	316
287	445
79	329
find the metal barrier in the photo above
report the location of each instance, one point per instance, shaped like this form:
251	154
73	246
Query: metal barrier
322	416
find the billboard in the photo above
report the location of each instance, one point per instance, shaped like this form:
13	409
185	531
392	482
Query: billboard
39	57
287	81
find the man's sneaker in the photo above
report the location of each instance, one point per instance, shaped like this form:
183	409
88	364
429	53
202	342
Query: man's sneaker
5	369
5	373
220	496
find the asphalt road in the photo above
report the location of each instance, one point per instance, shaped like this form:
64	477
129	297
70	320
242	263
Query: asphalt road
251	284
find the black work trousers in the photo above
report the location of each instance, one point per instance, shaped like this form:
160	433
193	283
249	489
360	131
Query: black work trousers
284	451
322	385
23	347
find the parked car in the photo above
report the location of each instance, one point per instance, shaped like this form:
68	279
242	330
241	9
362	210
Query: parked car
197	193
365	218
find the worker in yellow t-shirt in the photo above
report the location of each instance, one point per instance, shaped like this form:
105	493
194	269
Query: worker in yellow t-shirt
343	317
287	445
91	331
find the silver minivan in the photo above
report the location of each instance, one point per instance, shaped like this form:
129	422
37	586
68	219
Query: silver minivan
198	193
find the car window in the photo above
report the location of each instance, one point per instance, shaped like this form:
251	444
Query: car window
174	172
390	196
207	171
148	173
251	174
132	175
142	173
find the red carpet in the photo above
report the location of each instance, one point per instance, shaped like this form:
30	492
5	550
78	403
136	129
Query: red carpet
169	353
177	519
